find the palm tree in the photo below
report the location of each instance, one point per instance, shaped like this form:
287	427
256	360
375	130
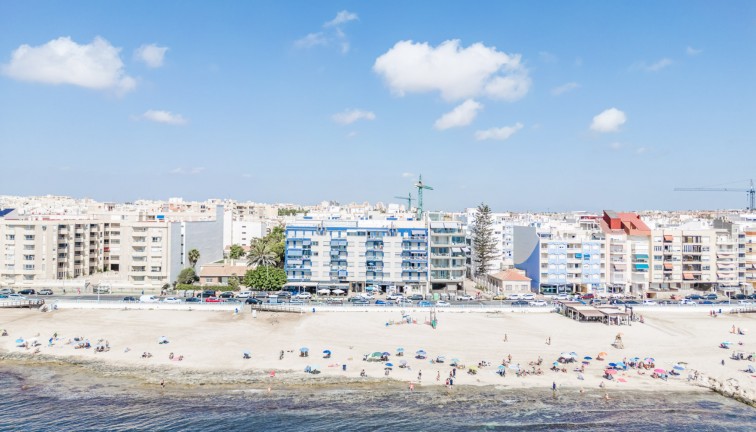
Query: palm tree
194	256
261	254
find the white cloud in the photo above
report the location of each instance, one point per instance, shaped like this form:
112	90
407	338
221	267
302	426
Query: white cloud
341	18
151	55
653	67
408	175
500	134
462	115
166	117
615	145
189	171
311	40
693	51
564	88
456	72
96	65
608	120
352	115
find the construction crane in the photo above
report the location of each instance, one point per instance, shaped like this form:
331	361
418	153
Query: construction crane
409	200
420	186
750	191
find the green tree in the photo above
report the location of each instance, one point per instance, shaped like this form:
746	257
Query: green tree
483	241
265	278
277	240
236	252
193	256
233	282
187	276
261	253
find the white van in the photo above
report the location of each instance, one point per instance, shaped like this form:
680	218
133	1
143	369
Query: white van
244	294
148	299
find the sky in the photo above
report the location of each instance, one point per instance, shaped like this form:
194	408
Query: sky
526	106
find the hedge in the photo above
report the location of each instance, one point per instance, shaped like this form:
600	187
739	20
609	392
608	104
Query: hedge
187	287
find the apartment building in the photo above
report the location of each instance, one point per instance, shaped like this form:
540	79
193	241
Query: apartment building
627	248
448	253
120	249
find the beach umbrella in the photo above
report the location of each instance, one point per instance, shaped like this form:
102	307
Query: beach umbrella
556	364
565	355
326	351
421	353
400	350
635	359
163	339
614	365
389	365
660	371
678	367
621	364
726	343
324	291
315	367
304	349
602	353
20	340
337	291
247	353
585	362
376	354
386	354
587	358
455	360
442	358
573	354
501	367
610	371
649	360
403	363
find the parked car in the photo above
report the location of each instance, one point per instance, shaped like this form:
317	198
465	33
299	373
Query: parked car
3	296
206	293
499	297
752	296
688	302
359	300
193	300
27	291
515	296
7	291
707	302
416	297
130	299
253	300
538	303
711	296
149	299
744	303
45	291
649	303
335	301
16	297
232	300
244	294
694	297
519	303
424	303
393	296
442	303
464	297
562	297
172	300
226	295
588	296
213	300
283	294
384	303
304	296
528	296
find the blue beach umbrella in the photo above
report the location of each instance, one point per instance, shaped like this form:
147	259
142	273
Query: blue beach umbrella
389	365
614	365
19	340
635	359
304	349
678	367
501	367
386	353
587	358
400	349
326	351
556	364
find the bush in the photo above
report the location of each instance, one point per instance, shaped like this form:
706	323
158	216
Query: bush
187	287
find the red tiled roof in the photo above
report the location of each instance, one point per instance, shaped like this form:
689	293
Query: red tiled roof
511	275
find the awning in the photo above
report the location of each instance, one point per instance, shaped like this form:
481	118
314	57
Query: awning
667	266
450	225
725	264
667	238
418	232
641	266
688	276
724	276
436	224
456	249
641	256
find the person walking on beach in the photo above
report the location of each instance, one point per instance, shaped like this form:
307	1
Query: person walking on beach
454	373
505	337
419	376
548	340
553	386
412	387
438	376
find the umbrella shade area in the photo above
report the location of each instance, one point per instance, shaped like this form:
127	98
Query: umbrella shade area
304	349
337	291
610	371
678	367
386	354
660	371
400	350
324	291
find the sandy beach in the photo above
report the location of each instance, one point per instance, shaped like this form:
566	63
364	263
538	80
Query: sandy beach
212	346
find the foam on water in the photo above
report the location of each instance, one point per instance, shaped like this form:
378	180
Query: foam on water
48	398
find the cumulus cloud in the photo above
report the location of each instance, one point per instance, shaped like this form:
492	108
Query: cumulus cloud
564	88
352	115
500	134
166	117
341	18
151	55
608	120
190	171
462	115
653	67
454	71
96	65
692	51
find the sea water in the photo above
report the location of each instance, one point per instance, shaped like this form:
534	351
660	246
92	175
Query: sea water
47	398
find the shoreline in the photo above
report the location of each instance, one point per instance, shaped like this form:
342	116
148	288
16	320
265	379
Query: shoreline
212	344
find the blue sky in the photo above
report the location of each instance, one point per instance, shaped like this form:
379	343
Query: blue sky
524	105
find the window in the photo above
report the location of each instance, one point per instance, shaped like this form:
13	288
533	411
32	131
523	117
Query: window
29	257
208	279
28	237
28	266
156	269
10	237
29	247
157	239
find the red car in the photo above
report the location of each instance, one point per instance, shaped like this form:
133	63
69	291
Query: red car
213	300
588	296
